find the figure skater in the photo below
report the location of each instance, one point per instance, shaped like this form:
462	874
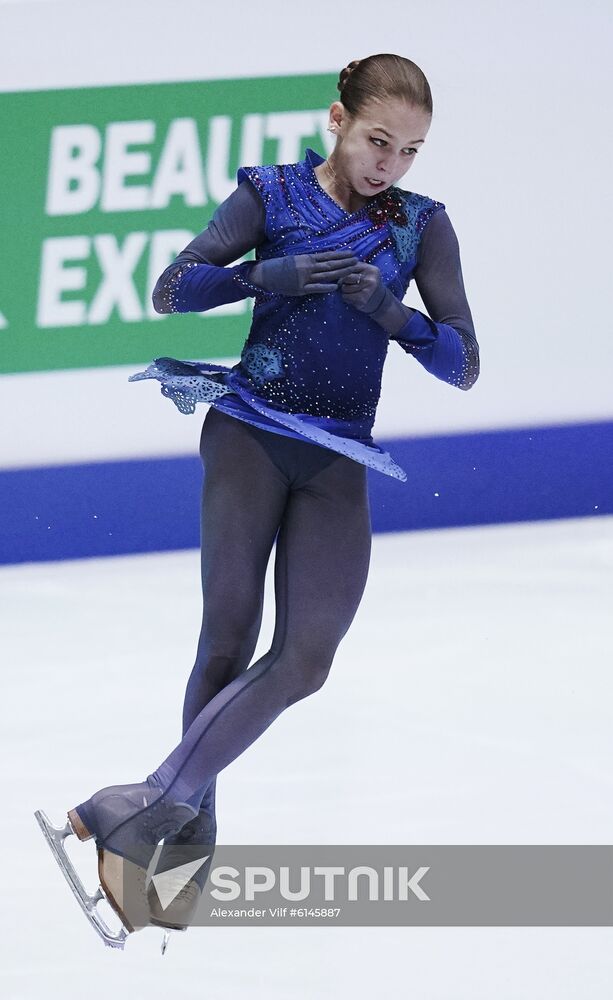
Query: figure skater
286	442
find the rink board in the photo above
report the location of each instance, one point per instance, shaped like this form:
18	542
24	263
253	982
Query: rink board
489	477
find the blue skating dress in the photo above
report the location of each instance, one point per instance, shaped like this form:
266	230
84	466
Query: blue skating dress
312	365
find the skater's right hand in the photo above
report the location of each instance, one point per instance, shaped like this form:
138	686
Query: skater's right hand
303	274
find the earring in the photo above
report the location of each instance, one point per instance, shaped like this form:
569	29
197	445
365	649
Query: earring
331	128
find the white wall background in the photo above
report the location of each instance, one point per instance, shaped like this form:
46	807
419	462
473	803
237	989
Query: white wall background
519	151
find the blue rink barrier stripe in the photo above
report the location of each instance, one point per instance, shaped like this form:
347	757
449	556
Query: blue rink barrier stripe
487	477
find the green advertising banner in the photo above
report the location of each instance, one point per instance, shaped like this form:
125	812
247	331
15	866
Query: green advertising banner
102	187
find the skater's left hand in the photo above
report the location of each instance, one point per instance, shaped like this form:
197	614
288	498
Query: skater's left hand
363	288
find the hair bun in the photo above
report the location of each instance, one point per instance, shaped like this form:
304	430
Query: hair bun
346	73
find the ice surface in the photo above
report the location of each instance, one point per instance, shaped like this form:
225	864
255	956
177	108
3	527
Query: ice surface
470	702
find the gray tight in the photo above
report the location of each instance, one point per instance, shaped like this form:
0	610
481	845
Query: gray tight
260	486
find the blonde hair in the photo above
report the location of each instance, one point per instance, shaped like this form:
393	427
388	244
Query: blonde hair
382	77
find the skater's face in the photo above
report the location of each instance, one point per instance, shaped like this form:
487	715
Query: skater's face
380	143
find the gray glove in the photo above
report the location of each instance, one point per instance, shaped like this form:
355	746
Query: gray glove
303	274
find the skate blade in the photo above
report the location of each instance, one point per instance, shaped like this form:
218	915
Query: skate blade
167	932
55	837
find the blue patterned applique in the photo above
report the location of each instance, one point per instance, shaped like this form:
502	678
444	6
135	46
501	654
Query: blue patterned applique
263	363
183	383
419	210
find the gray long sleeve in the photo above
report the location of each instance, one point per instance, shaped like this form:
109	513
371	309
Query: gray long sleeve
199	277
444	341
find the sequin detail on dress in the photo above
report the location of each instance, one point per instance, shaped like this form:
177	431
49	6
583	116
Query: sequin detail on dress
168	297
389	205
312	365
